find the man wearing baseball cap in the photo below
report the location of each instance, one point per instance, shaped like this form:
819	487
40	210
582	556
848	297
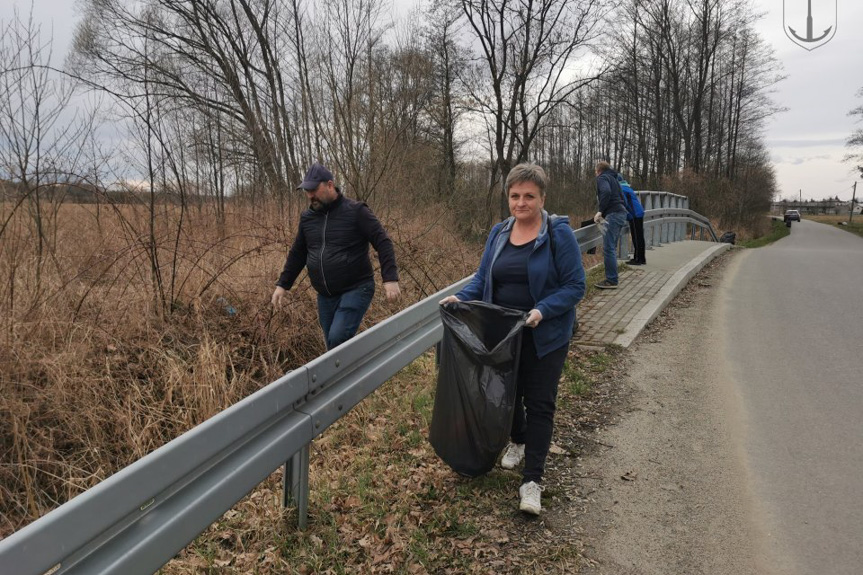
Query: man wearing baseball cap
332	243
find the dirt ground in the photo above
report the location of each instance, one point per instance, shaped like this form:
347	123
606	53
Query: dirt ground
666	492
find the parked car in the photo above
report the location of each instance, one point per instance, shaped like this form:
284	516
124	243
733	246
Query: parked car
792	216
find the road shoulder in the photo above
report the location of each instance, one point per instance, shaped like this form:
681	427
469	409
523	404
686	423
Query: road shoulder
669	491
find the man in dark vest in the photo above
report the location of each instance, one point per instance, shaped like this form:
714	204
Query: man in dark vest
611	218
332	243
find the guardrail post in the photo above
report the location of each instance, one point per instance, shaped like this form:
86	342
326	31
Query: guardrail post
621	241
670	227
676	235
663	228
295	485
647	204
690	226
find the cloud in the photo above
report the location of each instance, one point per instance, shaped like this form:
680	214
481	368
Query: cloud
799	160
807	143
803	160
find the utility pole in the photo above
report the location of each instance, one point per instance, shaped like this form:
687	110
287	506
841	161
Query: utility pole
853	199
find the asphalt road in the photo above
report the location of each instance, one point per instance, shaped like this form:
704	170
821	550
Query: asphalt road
793	340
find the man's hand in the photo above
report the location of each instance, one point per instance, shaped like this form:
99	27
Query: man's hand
392	290
280	292
534	316
448	299
597	218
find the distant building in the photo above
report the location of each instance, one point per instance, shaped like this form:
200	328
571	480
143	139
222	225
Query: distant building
811	207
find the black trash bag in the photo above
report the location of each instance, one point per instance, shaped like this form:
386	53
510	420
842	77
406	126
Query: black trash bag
584	224
728	238
475	397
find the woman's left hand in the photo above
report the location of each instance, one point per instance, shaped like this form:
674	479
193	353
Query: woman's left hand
533	318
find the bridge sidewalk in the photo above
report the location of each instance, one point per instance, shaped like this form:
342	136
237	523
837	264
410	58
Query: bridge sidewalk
618	316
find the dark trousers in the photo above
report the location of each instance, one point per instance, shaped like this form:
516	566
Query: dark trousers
535	400
341	315
636	231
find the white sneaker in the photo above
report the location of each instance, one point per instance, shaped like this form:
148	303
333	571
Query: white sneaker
512	455
531	494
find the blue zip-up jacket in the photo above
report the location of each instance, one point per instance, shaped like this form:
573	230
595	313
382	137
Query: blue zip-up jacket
634	209
555	277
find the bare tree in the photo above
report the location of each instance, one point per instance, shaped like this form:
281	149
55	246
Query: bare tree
445	111
221	57
42	150
855	140
526	56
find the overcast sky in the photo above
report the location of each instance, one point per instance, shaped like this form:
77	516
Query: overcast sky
806	142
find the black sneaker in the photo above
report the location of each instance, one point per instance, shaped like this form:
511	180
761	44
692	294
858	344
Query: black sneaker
632	262
605	284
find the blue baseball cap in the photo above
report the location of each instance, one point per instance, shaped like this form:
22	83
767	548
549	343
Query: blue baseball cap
316	174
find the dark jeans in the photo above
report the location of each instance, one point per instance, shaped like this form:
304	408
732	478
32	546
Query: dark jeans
340	315
535	401
636	231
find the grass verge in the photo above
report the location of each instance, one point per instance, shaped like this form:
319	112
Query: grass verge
855	226
778	230
382	502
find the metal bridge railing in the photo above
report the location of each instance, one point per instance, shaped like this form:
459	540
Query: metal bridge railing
139	518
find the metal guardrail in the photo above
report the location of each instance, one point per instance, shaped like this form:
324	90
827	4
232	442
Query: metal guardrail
666	217
139	518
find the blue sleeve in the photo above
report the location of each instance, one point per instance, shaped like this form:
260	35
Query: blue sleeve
639	209
473	291
630	198
567	260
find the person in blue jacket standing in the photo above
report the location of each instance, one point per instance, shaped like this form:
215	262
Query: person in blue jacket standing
532	263
635	216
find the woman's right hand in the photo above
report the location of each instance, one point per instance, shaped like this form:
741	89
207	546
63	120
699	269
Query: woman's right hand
449	299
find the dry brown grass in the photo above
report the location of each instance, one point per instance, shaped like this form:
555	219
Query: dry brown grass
381	501
831	218
103	360
855	225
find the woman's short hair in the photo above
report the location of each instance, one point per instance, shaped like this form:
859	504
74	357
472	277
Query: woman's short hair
527	172
602	165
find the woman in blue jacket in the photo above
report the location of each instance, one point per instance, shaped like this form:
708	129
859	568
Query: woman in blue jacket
635	215
532	262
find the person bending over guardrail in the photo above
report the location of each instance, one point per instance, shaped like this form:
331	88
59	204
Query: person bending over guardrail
612	211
